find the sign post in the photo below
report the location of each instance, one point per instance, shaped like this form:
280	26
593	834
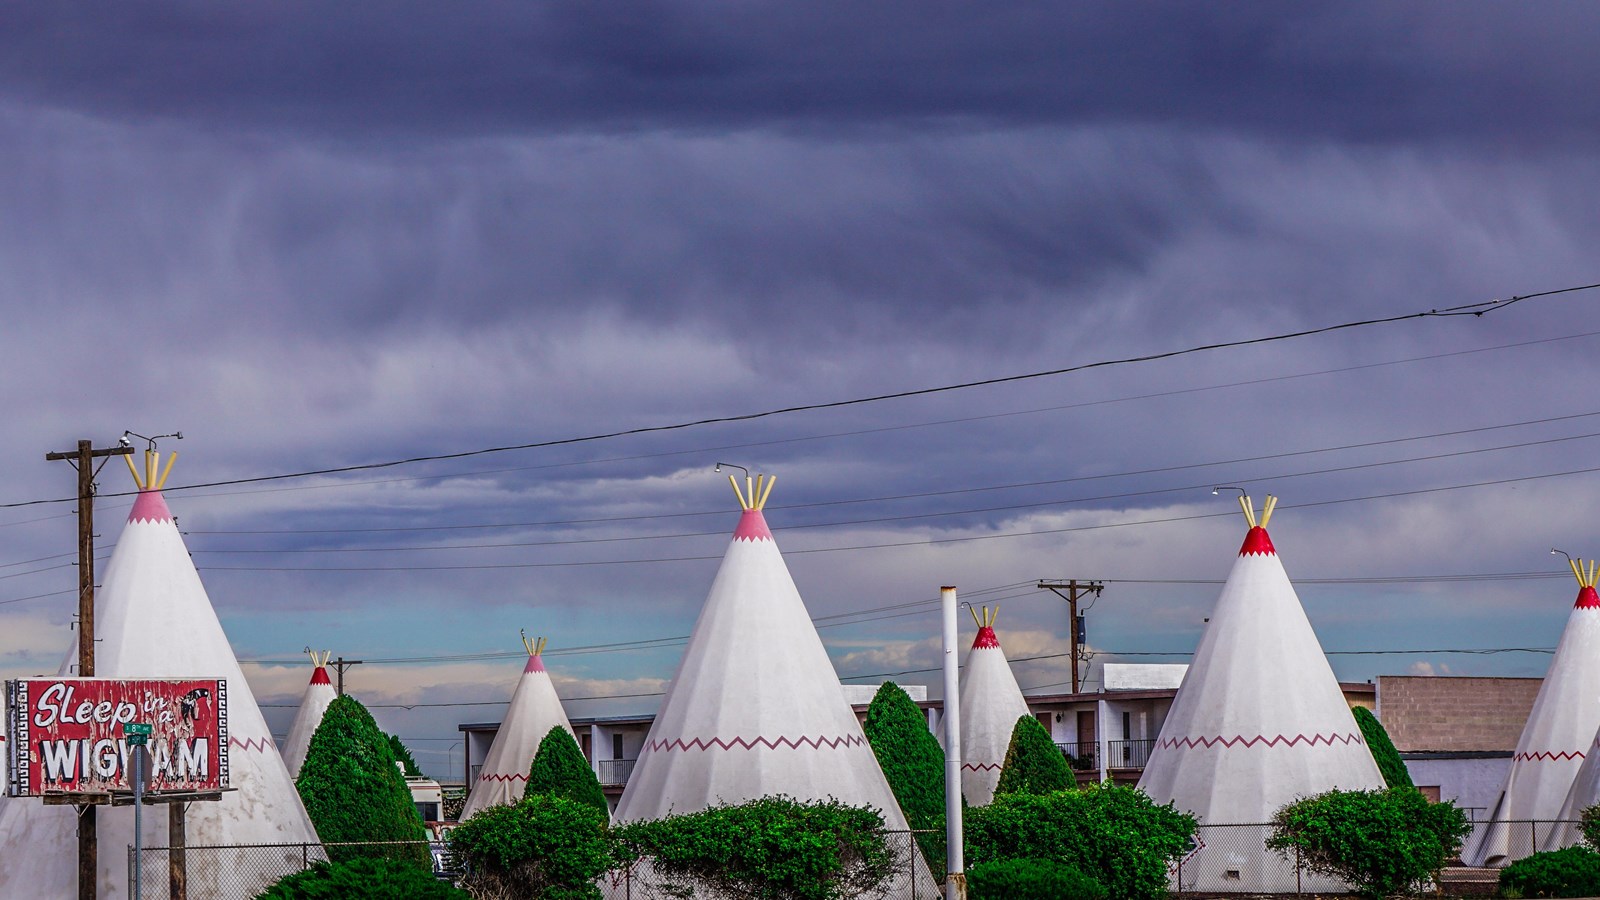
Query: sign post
137	733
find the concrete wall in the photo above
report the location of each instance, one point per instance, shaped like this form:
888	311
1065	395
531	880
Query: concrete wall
1455	714
1472	784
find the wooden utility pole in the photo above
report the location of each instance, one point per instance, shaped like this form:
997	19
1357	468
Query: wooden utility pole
83	459
339	665
1075	590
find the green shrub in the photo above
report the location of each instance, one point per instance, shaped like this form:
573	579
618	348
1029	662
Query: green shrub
1379	842
1030	879
913	763
352	790
403	756
548	847
1590	826
1034	764
774	848
363	879
1114	834
1572	872
559	770
1384	754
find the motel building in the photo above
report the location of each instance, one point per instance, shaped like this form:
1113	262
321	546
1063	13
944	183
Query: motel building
1457	735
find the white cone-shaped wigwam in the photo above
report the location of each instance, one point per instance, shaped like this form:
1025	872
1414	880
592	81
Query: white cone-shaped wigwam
756	708
534	710
155	621
1259	721
991	704
319	693
1550	760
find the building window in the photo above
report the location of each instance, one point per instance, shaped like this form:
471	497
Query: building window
616	746
1127	726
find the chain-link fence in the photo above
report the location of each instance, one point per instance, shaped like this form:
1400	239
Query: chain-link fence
1229	859
244	870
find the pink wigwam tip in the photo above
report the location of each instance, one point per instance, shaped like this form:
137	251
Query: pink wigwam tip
535	664
1257	543
1587	599
150	506
752	527
986	639
320	676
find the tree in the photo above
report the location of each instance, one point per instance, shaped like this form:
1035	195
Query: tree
548	847
559	770
1379	842
352	789
403	756
773	848
1034	764
1114	834
1384	754
913	763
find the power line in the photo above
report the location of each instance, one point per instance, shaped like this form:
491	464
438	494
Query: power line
931	515
891	428
1478	309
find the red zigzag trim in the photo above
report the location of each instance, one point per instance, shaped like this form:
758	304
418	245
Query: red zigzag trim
816	743
496	776
1546	755
1240	740
982	767
260	745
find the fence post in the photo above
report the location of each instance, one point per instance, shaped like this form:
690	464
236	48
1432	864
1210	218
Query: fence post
1181	855
1297	868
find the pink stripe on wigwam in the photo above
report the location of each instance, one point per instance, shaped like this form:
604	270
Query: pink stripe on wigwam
535	664
150	506
1587	599
320	676
752	527
986	639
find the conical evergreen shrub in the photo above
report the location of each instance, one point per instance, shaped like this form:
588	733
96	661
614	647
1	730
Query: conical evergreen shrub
1034	764
352	789
912	762
559	770
403	756
1390	765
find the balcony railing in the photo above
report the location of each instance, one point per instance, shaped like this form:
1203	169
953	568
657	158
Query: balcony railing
614	771
1080	755
1128	754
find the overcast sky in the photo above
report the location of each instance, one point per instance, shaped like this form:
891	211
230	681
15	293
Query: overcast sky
315	235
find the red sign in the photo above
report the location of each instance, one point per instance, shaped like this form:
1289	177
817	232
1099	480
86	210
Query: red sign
66	734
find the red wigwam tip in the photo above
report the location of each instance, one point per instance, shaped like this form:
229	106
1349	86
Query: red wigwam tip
986	639
752	527
1257	542
535	664
320	676
150	506
1587	599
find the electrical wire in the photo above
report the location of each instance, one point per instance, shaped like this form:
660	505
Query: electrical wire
1478	309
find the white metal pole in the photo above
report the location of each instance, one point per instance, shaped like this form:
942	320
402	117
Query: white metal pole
955	885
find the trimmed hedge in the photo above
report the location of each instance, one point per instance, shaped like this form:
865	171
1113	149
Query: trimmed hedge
774	848
913	763
1114	834
548	847
1572	872
363	879
1379	842
1034	764
559	770
1030	879
352	789
1384	754
1590	826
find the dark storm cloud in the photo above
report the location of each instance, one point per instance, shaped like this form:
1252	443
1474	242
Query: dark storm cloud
1376	71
